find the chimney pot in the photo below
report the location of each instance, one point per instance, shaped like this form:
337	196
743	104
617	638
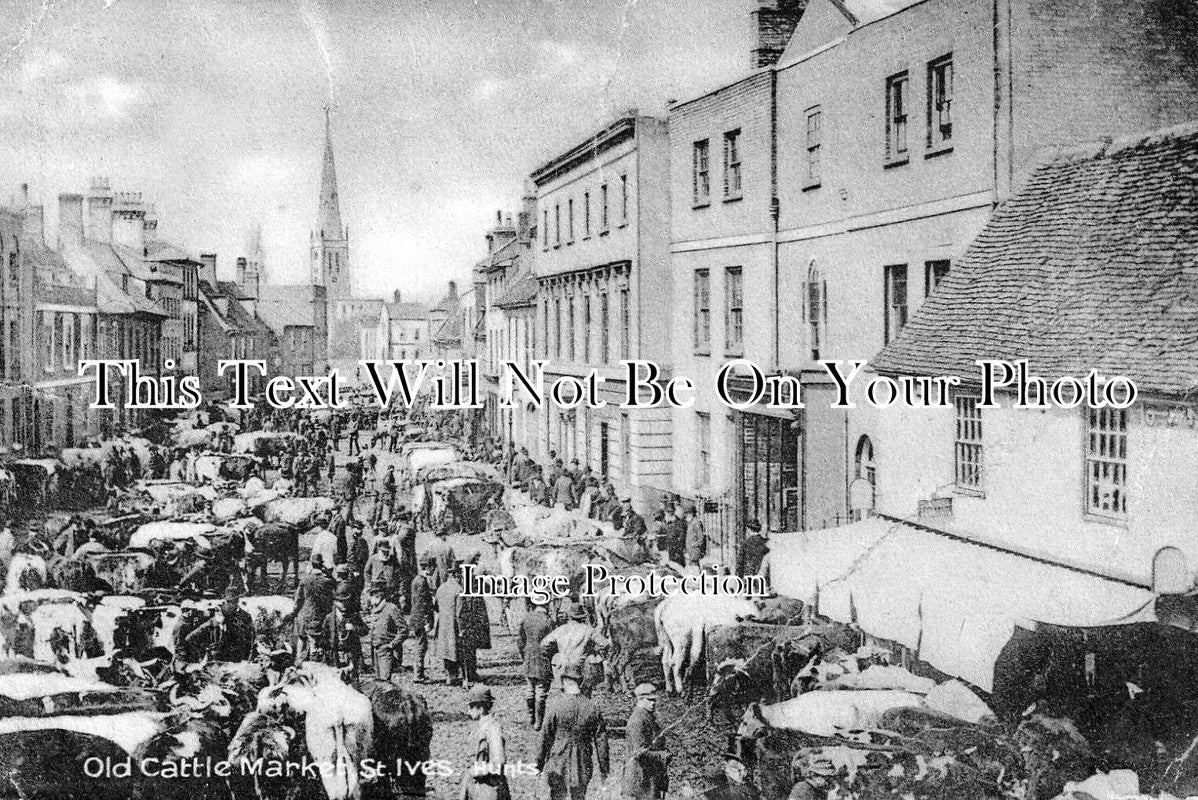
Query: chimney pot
395	296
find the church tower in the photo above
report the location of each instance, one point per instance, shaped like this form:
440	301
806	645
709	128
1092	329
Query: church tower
329	241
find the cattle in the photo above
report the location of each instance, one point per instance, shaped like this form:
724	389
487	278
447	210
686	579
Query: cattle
123	571
826	713
338	723
529	561
227	508
52	723
261	739
50	625
403	733
303	512
277	542
26	572
681	623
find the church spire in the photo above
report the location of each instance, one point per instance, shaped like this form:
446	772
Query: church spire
328	217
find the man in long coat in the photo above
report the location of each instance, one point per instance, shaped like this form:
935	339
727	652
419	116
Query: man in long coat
538	672
645	775
475	634
313	601
422	617
448	601
572	731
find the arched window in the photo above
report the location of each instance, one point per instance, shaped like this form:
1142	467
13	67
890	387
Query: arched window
866	469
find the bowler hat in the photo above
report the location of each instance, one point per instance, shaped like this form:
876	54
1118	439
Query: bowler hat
344	592
378	586
645	689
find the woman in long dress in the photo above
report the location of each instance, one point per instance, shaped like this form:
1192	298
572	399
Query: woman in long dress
486	779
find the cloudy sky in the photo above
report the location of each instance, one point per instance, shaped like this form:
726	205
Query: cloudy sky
213	109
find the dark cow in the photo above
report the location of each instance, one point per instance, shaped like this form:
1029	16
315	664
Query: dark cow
403	733
276	541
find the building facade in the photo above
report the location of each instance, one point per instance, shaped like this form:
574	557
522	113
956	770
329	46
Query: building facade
890	133
602	264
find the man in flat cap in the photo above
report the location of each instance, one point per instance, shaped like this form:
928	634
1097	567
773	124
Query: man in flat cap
645	776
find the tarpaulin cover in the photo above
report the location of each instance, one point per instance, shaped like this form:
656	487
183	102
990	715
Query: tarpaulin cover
955	602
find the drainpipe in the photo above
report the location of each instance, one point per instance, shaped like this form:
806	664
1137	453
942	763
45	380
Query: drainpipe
775	213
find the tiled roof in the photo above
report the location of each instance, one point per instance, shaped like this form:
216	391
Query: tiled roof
166	251
282	313
450	330
520	292
502	257
406	310
112	299
1093	263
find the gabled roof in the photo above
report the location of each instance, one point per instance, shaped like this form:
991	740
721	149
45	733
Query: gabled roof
1093	263
406	310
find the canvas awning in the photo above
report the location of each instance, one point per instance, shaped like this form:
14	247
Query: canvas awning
953	601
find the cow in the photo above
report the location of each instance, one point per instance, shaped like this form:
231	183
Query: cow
277	541
528	561
826	713
403	734
302	512
681	623
262	739
26	572
338	723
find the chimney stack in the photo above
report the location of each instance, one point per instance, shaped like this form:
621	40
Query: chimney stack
395	296
208	268
773	23
240	274
70	220
453	290
129	221
99	211
526	220
33	227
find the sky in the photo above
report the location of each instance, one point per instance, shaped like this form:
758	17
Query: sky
214	110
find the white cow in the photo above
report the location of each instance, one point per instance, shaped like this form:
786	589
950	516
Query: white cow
26	572
682	622
338	723
827	713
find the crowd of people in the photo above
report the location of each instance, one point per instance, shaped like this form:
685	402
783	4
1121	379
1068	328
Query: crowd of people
368	598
